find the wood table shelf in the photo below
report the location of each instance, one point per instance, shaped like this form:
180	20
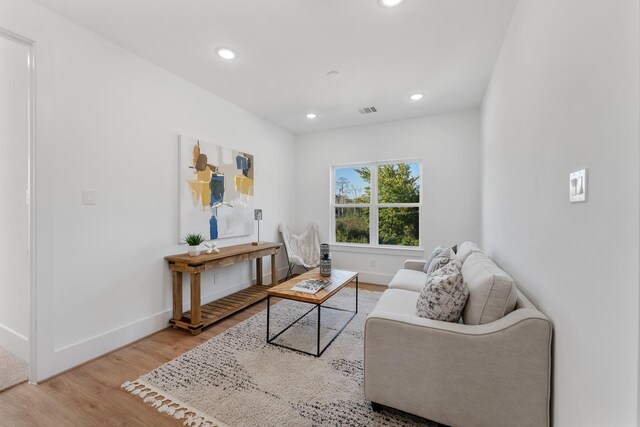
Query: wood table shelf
202	316
223	307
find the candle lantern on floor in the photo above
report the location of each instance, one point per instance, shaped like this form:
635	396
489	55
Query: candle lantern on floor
325	260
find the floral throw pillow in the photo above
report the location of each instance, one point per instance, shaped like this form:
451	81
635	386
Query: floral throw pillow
445	294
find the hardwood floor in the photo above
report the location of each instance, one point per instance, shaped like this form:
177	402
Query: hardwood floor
90	395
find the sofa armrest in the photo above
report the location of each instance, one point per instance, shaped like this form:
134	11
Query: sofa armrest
415	264
456	374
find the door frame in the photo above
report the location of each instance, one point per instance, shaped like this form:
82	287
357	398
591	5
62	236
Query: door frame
30	197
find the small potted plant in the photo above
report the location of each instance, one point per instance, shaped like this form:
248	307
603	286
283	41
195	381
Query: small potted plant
194	241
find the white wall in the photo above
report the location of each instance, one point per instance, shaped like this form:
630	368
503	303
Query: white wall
449	146
564	96
109	120
14	144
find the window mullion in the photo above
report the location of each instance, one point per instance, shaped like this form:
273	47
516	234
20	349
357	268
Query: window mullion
352	205
399	205
373	212
332	209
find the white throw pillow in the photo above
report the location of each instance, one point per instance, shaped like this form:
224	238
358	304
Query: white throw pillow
433	255
441	260
445	294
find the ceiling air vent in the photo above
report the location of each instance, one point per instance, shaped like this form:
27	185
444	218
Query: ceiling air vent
368	110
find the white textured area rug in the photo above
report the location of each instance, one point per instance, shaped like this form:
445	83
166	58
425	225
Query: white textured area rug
13	370
237	379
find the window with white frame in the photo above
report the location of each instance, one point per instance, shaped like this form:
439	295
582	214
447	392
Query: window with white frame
377	203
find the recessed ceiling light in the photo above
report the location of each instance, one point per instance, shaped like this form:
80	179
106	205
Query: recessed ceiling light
226	53
416	97
311	115
390	3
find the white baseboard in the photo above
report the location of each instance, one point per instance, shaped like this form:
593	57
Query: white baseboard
77	353
375	278
14	342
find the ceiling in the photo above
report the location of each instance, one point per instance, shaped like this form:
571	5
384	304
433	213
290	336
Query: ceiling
445	49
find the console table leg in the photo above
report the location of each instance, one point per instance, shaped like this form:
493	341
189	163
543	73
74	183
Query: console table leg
177	295
196	318
274	270
258	271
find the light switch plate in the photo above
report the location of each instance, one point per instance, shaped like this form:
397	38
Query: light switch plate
88	197
578	186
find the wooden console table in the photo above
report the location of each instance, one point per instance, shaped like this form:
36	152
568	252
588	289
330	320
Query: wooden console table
202	316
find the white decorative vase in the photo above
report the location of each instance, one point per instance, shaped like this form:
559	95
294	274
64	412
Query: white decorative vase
194	250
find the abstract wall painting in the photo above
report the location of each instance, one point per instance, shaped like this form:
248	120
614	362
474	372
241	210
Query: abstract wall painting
216	190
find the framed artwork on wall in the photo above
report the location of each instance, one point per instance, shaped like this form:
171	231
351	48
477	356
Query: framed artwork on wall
216	190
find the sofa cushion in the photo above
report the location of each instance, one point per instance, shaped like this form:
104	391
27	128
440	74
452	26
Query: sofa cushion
465	249
444	296
431	257
398	301
492	292
441	260
409	280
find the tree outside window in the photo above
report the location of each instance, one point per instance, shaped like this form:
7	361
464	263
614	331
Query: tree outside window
378	204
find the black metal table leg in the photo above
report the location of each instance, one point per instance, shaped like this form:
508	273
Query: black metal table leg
268	312
356	294
318	348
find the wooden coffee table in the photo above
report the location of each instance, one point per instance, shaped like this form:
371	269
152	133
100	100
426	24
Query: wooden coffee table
339	279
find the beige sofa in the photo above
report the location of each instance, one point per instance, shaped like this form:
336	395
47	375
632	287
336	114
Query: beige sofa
495	372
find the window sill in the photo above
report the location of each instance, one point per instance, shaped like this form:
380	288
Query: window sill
386	250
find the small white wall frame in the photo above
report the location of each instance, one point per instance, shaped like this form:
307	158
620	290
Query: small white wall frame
578	186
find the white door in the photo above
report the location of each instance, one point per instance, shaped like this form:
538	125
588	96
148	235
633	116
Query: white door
14	213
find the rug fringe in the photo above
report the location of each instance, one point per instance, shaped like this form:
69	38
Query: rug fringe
170	406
